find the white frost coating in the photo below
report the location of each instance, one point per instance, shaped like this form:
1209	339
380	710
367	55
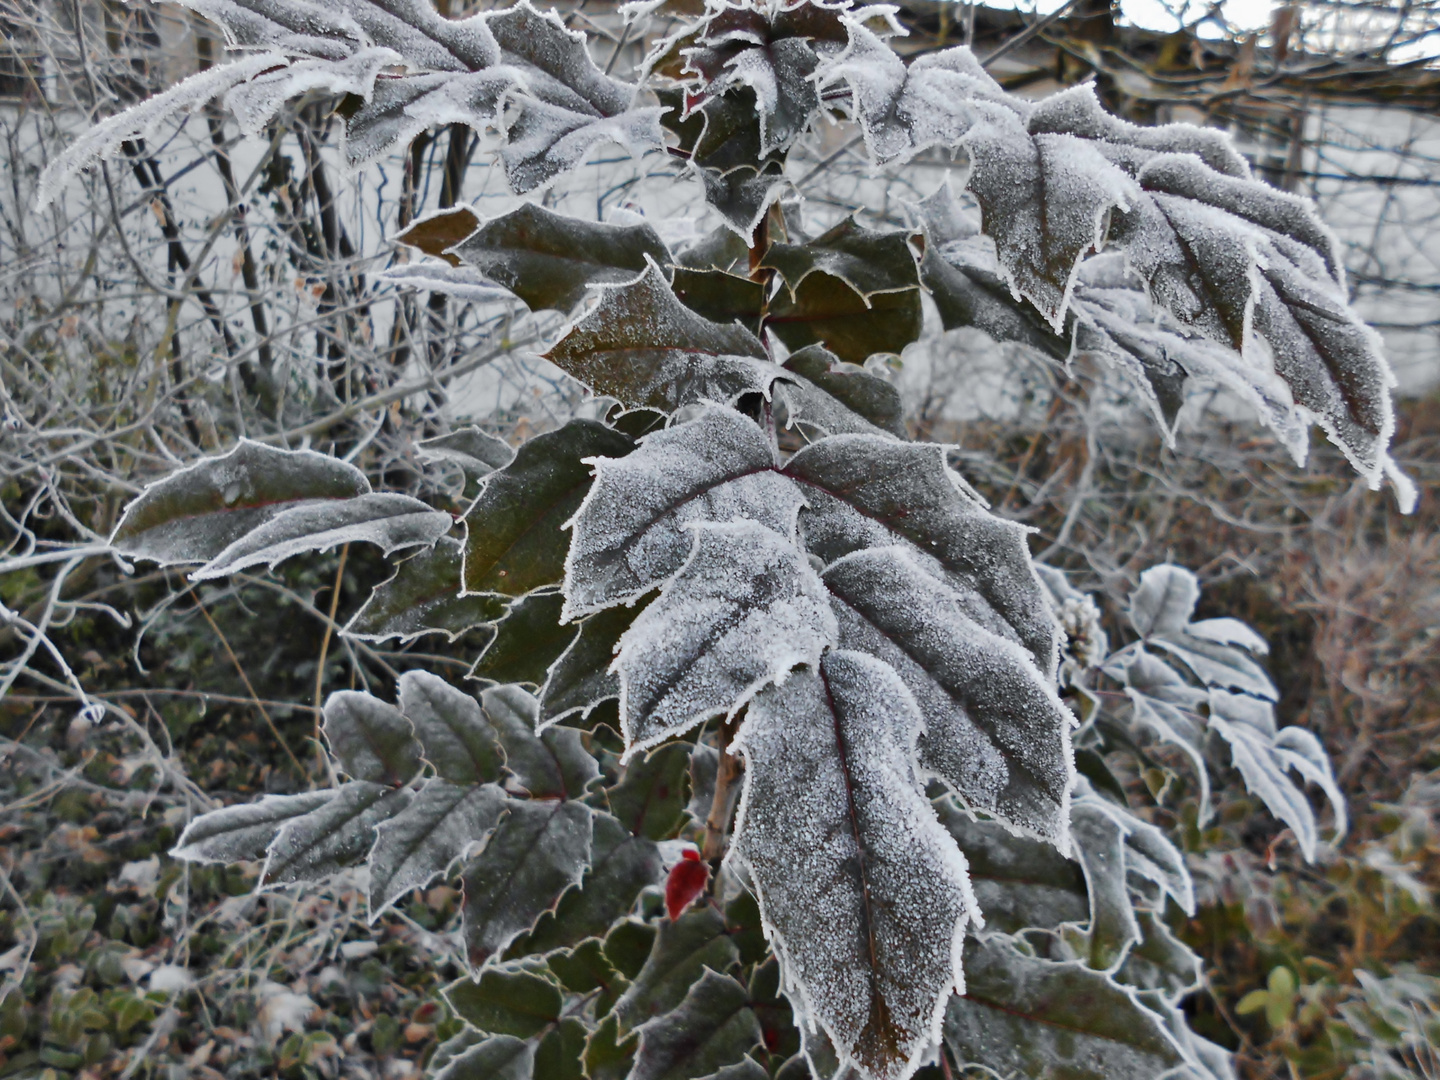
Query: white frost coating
1227	631
546	140
437	827
1265	776
236	833
628	535
995	730
746	608
461	282
391	521
1164	600
256	100
336	835
864	895
196	512
143	120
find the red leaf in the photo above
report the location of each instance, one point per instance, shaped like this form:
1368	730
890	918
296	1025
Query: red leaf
686	881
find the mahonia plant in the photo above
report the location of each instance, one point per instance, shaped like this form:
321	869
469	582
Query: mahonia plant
745	578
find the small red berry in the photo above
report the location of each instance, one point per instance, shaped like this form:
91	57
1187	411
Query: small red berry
686	881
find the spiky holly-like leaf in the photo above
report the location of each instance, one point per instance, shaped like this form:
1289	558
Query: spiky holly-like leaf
549	260
1043	1020
864	893
422	597
683	950
244	831
712	1028
517	1003
643	347
513	542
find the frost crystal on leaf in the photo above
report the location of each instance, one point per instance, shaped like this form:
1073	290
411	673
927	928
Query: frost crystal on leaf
744	610
865	895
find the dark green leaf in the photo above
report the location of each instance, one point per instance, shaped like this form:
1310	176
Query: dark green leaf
777	1021
621	866
196	513
867	396
607	1056
336	835
580	678
747	928
698	940
475	451
423	597
1040	1020
721	297
868	261
628	946
370	738
513	542
720	250
585	968
650	798
549	260
517	1003
539	850
713	1027
643	347
1018	882
827	311
527	641
968	292
1160	961
560	1055
552	765
455	736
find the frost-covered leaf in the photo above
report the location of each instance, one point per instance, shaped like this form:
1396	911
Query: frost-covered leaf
608	1057
744	609
424	597
643	347
1027	1017
580	678
196	513
244	831
474	450
462	71
1263	770
500	1057
385	519
550	260
551	765
629	535
714	1027
517	1003
995	730
855	390
370	738
864	892
683	950
621	865
1164	600
963	277
338	834
513	542
585	968
774	54
456	738
869	261
1019	882
146	119
650	798
1160	961
528	640
538	851
426	837
864	491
